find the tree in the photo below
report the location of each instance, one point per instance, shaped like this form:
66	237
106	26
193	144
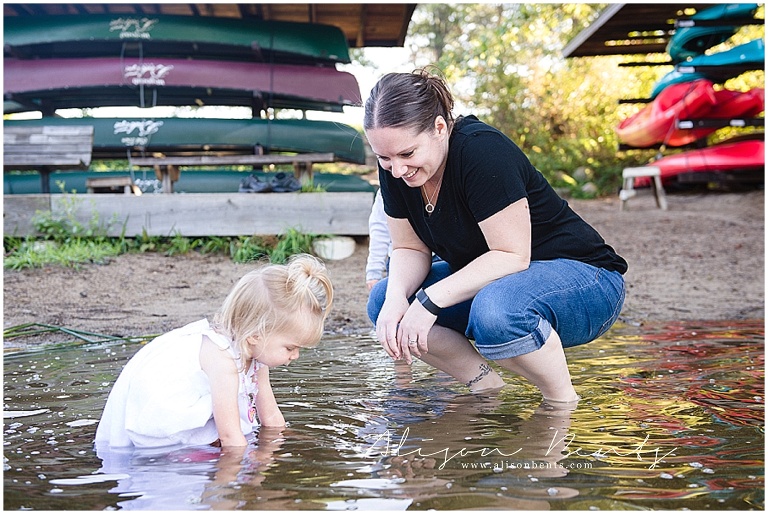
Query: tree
504	63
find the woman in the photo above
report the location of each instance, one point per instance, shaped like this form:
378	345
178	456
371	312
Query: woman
522	275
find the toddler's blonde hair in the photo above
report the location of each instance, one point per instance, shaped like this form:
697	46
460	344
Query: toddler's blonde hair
292	298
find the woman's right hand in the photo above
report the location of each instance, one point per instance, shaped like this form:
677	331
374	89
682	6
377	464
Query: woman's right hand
387	323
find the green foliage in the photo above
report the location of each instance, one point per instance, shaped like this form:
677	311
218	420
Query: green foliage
290	243
311	187
275	248
504	64
179	244
64	226
64	240
73	253
214	244
247	249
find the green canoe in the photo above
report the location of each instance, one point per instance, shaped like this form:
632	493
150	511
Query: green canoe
190	181
167	35
114	137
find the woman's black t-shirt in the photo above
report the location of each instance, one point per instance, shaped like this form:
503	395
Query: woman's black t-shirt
485	173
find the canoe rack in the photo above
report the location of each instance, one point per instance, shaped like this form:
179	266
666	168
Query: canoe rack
717	74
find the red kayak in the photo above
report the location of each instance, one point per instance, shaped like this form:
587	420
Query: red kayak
728	105
655	123
741	156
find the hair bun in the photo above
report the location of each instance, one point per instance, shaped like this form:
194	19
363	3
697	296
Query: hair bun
310	280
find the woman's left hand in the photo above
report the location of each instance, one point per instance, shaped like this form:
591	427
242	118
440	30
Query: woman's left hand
412	334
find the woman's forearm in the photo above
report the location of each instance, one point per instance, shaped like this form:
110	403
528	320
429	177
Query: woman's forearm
407	270
468	281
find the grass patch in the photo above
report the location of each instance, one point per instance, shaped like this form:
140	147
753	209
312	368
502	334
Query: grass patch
64	241
39	253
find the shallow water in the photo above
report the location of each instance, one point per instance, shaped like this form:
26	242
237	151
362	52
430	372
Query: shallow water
671	417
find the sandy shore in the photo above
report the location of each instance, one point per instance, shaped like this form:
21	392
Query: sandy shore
703	259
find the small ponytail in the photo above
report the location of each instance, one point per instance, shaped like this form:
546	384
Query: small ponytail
293	298
309	281
434	79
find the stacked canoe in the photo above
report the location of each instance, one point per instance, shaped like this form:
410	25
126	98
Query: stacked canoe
688	104
183	136
84	61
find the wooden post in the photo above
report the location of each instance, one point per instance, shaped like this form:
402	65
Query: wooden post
45	180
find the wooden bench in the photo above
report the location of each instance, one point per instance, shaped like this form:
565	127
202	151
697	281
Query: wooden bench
47	148
167	168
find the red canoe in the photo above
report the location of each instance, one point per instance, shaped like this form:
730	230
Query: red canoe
92	82
655	123
741	156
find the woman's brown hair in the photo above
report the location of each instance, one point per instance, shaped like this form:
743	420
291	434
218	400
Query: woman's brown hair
412	100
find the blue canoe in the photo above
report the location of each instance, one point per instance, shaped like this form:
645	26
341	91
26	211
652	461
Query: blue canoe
752	53
692	41
716	67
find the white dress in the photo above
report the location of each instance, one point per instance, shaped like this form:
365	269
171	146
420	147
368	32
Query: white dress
163	397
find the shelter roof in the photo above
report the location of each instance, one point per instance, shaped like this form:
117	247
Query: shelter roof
378	24
624	29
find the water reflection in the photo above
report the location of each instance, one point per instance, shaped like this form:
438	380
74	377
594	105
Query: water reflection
183	479
432	462
671	417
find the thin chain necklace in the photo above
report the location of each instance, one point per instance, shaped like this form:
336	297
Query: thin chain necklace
430	207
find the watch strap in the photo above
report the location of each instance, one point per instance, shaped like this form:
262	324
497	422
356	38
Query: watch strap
424	300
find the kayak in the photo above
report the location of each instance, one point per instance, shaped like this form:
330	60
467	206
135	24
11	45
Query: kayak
655	123
114	137
729	157
111	81
729	105
748	53
717	67
672	78
689	42
114	35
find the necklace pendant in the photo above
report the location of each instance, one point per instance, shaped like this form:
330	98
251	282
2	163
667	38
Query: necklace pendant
429	208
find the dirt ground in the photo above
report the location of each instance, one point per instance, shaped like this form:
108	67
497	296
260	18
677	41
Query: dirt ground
703	259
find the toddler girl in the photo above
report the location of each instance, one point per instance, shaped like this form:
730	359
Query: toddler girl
206	383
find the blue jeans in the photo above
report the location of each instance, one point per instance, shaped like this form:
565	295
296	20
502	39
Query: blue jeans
515	315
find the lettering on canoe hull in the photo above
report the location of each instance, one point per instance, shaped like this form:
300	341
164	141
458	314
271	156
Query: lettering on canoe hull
147	74
137	131
133	28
